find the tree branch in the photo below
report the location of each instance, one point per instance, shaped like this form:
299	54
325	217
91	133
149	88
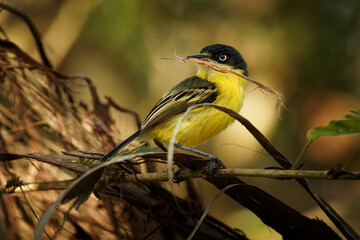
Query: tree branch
34	187
189	174
238	172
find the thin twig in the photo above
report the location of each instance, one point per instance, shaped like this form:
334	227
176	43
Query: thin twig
34	187
297	161
189	174
206	212
92	152
238	172
32	209
81	155
34	31
126	110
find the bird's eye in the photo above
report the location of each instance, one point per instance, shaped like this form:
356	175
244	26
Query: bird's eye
222	57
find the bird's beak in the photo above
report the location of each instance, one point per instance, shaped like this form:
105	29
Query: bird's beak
198	56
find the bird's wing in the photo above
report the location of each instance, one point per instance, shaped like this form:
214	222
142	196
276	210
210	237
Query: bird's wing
189	92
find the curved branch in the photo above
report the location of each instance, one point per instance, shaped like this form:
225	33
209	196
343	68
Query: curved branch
340	223
33	31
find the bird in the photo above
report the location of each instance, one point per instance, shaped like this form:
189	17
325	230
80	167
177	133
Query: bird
207	86
201	124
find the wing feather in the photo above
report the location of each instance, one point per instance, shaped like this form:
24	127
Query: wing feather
189	92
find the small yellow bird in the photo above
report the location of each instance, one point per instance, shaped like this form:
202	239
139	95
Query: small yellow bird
207	86
201	124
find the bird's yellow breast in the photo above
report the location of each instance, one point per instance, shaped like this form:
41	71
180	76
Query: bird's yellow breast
204	123
230	86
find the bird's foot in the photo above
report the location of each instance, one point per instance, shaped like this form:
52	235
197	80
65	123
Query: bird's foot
214	164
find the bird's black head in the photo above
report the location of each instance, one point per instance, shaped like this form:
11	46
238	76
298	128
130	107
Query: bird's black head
223	54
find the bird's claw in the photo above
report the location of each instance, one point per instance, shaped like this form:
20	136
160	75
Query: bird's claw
177	173
214	161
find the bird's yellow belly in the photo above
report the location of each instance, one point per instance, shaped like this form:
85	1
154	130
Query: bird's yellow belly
202	123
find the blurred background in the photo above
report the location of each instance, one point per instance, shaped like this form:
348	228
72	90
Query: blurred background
309	51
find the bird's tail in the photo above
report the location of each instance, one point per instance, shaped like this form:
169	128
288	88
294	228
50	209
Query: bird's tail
121	146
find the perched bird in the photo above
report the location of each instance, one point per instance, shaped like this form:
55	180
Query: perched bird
207	86
200	125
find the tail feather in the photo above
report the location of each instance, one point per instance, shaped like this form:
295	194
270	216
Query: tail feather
122	145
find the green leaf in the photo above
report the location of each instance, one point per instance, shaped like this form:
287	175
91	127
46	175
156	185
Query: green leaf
348	125
145	149
123	152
